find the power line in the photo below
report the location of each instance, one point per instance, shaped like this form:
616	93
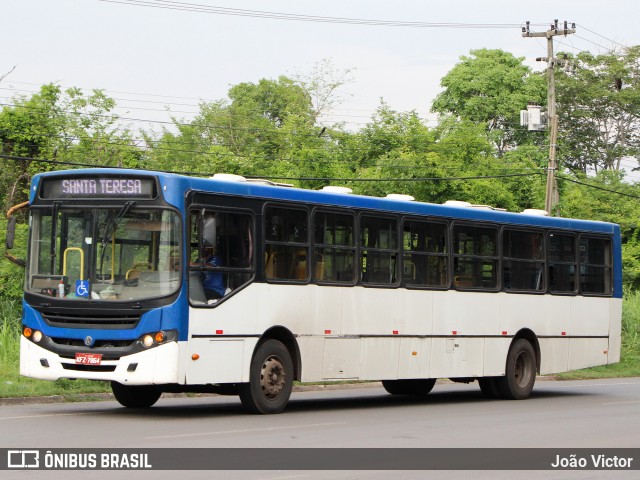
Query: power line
338	179
601	36
205	174
597	187
210	9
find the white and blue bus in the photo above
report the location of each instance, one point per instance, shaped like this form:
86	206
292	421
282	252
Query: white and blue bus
165	283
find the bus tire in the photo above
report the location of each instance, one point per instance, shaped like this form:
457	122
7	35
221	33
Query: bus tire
489	387
409	387
520	371
135	396
270	379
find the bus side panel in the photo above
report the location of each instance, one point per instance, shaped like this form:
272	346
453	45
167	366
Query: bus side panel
555	355
615	329
371	311
587	352
466	313
495	356
342	358
457	357
415	358
377	365
218	360
589	316
311	349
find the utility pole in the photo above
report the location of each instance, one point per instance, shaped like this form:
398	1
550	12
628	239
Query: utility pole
552	197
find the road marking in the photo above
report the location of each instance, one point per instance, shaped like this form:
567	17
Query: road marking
47	415
582	385
282	478
622	403
247	430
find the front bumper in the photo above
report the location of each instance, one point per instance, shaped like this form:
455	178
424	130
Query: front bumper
156	366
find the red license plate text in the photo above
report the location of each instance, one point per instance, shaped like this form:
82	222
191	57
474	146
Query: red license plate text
89	358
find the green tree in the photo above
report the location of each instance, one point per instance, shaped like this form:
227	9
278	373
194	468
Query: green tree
599	110
592	199
265	129
490	87
53	128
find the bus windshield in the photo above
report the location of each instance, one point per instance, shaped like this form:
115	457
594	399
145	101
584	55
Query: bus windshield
113	254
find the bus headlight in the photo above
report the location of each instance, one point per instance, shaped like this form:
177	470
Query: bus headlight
37	336
158	338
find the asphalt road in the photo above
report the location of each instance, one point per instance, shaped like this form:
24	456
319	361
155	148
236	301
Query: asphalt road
575	414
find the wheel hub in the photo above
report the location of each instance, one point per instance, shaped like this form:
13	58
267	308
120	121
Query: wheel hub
272	377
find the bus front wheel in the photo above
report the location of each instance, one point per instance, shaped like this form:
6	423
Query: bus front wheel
520	373
270	379
135	396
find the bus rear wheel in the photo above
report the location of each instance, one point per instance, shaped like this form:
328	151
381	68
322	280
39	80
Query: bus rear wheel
270	379
135	396
489	386
409	387
520	372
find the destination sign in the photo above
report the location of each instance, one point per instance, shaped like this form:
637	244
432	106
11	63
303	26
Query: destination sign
98	187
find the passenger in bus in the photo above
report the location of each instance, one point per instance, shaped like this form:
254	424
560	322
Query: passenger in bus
213	281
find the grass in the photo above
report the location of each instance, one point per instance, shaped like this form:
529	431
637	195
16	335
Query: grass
14	385
629	365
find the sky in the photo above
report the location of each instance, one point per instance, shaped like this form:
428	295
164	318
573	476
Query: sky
151	59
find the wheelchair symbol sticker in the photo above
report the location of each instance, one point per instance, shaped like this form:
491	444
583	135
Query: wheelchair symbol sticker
82	288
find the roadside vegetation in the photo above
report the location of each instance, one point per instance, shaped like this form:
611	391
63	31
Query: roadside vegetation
277	129
629	365
13	385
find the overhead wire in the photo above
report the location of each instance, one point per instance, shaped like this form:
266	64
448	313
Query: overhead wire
355	179
210	9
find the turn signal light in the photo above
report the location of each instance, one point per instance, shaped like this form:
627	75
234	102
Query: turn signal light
159	338
27	332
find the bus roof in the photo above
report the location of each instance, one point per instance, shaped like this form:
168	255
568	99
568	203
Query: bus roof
175	186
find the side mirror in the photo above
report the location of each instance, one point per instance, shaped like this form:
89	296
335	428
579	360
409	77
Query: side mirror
11	234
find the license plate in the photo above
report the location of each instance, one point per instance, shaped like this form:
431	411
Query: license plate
89	358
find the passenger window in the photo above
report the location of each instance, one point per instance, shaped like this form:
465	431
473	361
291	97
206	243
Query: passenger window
562	263
425	254
596	274
475	257
523	261
335	249
379	254
221	254
286	244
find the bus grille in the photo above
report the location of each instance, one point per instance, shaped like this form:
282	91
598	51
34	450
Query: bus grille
89	368
98	321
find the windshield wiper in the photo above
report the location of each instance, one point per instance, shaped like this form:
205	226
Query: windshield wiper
110	228
54	235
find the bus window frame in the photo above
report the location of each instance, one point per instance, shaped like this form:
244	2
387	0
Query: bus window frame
398	250
609	266
523	229
447	255
200	209
576	263
497	257
356	237
264	242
